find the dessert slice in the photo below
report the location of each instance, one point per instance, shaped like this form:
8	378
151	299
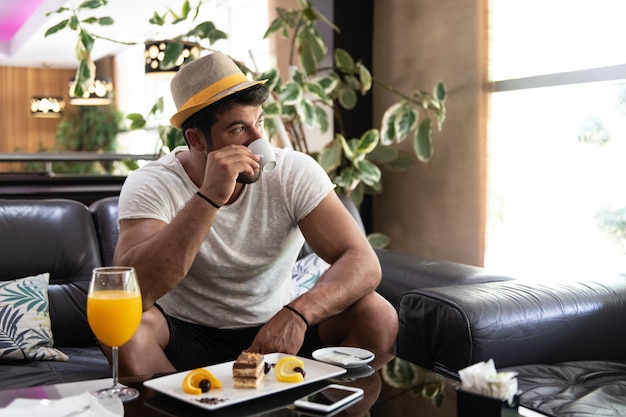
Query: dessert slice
248	370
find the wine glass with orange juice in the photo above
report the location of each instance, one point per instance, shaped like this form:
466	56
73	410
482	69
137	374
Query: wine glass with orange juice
114	313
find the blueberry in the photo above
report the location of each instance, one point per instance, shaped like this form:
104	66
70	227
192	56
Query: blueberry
205	385
298	369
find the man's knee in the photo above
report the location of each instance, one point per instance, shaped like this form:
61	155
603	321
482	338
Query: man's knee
370	322
153	329
374	307
383	315
147	344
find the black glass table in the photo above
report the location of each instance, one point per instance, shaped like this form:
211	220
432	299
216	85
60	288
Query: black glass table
392	386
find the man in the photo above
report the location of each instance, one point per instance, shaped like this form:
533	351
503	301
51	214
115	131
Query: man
214	240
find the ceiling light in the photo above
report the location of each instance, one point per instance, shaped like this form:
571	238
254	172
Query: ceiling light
97	94
46	106
166	57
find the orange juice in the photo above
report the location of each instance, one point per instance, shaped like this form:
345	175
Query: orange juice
114	316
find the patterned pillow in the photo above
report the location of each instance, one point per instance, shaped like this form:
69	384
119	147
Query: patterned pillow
25	330
305	272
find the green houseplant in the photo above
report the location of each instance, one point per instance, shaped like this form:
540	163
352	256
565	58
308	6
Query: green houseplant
304	99
91	129
86	129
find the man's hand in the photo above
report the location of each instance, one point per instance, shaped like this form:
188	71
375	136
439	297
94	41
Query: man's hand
283	333
223	166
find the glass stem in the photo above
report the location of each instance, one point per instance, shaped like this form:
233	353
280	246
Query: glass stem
114	366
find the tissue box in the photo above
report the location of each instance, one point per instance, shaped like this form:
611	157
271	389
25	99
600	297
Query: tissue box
469	404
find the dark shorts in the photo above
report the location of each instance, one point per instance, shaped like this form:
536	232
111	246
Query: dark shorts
193	345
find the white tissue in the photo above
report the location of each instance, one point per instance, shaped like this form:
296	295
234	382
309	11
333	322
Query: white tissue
482	378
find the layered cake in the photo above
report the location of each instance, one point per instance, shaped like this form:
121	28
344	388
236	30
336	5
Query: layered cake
248	370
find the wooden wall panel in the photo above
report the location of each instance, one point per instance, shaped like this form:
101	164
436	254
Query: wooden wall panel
436	210
19	131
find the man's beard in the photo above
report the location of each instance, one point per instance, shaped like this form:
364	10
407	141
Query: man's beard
244	178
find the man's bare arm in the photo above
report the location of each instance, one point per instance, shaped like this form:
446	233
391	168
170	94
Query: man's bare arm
335	236
331	231
163	253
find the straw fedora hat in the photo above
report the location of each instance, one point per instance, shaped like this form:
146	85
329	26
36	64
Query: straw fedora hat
204	81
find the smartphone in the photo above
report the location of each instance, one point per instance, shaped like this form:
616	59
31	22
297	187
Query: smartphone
329	398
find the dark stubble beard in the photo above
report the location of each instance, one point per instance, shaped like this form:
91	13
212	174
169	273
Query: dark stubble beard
244	178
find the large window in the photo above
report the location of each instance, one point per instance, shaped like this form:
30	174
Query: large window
557	138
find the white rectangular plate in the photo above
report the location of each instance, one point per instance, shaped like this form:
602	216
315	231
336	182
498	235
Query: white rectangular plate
172	385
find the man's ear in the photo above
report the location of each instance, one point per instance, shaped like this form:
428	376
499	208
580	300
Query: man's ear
195	139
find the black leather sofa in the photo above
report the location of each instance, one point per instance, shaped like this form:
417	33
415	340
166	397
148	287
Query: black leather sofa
566	340
68	239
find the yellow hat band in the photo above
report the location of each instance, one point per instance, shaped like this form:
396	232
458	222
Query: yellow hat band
214	89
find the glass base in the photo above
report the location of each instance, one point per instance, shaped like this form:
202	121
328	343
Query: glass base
120	391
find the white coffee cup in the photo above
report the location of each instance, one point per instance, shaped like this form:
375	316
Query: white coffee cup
264	150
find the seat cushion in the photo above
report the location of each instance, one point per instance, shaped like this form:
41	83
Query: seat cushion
83	364
583	388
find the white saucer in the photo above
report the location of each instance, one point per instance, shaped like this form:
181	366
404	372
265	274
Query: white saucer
346	357
355	373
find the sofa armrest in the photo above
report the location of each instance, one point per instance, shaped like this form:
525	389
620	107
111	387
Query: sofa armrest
402	272
513	323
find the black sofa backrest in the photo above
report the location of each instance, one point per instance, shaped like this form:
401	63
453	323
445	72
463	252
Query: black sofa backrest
403	272
104	212
55	236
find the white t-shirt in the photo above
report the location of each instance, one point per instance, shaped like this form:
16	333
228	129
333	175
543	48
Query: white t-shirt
242	274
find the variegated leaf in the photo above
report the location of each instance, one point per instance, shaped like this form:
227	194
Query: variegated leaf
346	97
388	129
330	156
344	60
366	78
405	121
423	141
368	172
369	141
291	94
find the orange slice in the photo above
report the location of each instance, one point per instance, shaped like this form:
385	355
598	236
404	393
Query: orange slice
285	369
191	383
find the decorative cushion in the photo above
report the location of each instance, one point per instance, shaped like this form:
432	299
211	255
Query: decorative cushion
25	331
305	272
